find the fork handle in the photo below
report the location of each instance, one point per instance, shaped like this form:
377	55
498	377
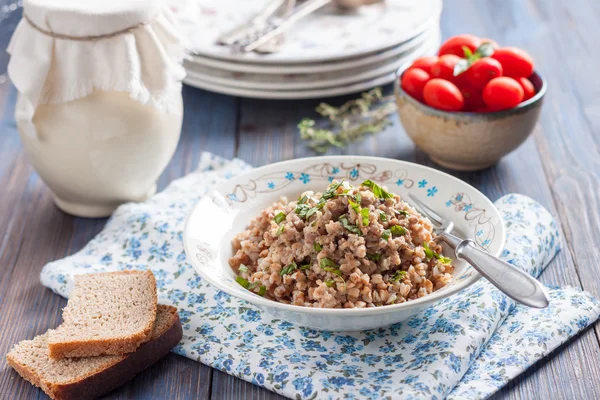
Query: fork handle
280	26
511	280
240	30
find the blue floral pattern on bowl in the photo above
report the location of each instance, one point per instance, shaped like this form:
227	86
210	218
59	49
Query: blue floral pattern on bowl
358	172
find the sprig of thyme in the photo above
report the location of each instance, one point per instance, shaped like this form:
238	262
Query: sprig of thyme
351	122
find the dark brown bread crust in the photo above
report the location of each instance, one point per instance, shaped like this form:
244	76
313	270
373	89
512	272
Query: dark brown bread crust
113	376
117	375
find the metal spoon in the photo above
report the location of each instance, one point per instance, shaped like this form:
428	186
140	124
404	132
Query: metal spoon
512	281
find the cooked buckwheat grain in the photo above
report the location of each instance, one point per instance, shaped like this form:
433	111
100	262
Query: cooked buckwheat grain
347	247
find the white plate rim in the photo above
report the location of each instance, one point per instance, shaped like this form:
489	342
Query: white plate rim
437	7
317	84
290	95
262	302
391	65
306	68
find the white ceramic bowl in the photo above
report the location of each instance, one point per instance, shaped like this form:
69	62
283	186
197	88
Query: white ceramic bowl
228	209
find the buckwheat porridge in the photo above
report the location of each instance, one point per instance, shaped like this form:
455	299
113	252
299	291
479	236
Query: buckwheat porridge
344	248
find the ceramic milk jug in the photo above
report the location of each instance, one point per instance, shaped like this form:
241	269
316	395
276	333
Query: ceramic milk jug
99	108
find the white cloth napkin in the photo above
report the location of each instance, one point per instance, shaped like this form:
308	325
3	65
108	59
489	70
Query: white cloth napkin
465	346
144	62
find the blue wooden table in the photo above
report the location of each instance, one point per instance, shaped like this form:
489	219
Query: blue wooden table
559	166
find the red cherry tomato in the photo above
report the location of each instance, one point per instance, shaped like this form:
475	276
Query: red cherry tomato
502	93
482	71
473	98
528	88
413	81
490	41
424	63
515	62
455	44
444	95
443	68
460	80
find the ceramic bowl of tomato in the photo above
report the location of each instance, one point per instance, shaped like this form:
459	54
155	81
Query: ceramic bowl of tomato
471	120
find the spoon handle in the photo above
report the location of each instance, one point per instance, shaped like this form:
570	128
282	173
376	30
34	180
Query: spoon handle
513	281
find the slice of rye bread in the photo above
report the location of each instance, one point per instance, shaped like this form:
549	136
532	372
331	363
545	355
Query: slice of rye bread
107	314
87	378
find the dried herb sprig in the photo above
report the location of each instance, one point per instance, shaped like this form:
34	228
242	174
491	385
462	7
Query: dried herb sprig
351	122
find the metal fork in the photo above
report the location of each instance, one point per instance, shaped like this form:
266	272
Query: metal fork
514	282
254	23
276	26
274	45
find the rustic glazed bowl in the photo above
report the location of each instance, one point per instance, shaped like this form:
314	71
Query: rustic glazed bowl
468	141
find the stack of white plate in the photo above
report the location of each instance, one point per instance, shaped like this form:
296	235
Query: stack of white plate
329	53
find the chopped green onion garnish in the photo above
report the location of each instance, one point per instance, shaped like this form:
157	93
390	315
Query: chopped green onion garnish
243	282
305	211
327	262
365	216
333	271
444	260
354	206
385	235
398	275
247	285
288	269
242	268
402	212
330	193
382	216
280	230
397	230
358	198
377	190
302	209
304	267
330	283
431	254
317	246
428	252
374	257
303	199
363	212
320	204
310	212
329	265
279	218
348	226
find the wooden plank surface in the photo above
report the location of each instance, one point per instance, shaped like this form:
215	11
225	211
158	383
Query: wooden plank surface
559	166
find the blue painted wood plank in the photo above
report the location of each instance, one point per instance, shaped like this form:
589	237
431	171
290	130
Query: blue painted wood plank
209	124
